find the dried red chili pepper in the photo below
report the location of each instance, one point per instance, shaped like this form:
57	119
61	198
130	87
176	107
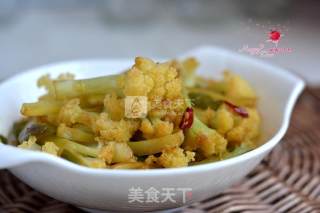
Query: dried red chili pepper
187	119
239	110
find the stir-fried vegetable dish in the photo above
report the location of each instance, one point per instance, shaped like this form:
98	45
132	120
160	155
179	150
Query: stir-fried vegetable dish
153	115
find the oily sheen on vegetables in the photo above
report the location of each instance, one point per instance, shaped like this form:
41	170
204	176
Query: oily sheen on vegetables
175	118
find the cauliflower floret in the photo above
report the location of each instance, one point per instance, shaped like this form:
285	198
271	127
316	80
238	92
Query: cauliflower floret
186	70
175	157
47	82
146	128
213	143
107	151
159	82
156	128
50	148
114	152
114	107
246	129
223	120
153	80
137	83
162	128
206	116
202	138
71	113
119	131
30	144
239	90
151	162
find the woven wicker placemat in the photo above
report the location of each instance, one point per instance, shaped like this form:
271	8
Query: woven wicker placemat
288	180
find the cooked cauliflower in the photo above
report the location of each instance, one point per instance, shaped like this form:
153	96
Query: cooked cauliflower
208	141
206	116
114	106
239	90
120	131
187	69
151	162
175	157
46	82
154	80
30	144
174	118
50	148
156	128
114	152
246	128
223	120
71	113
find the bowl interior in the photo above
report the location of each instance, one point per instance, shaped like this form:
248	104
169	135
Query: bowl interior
277	89
274	86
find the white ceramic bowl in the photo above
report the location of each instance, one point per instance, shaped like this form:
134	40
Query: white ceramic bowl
106	189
